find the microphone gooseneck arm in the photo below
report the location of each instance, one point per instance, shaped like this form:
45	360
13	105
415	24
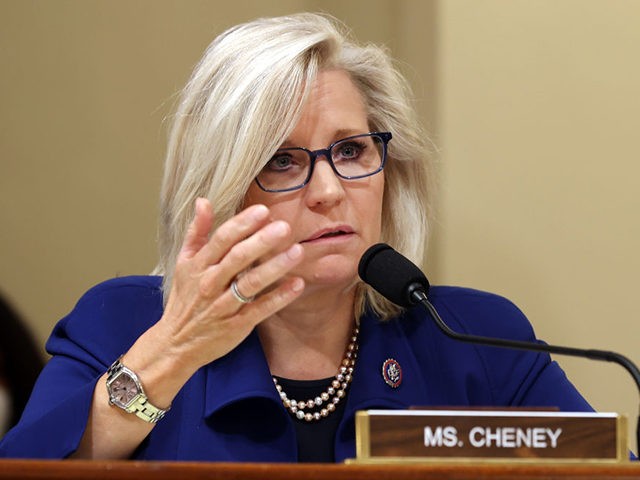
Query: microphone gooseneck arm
399	280
593	354
419	296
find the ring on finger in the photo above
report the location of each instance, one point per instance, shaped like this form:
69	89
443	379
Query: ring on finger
238	296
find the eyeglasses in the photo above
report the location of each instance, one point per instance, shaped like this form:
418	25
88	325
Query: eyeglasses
351	158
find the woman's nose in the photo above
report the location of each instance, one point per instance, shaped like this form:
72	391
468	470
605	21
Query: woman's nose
325	187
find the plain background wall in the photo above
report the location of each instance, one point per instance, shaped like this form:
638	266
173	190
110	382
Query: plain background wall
539	109
533	105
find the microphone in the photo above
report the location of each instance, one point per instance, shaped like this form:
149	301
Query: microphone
399	280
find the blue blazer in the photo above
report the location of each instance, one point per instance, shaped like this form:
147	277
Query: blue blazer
230	411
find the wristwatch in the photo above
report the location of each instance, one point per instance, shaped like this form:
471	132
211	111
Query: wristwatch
125	391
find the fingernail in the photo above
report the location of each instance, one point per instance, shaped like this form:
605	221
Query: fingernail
295	251
297	285
259	212
278	228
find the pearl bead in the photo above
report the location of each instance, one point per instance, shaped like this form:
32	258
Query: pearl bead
333	394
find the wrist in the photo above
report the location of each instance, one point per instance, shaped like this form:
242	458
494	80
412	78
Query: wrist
158	369
125	391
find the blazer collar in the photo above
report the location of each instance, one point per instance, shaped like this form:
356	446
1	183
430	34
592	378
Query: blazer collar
243	373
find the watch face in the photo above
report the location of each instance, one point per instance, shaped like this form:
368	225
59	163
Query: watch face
123	389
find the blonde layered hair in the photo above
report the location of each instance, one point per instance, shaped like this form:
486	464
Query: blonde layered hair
243	100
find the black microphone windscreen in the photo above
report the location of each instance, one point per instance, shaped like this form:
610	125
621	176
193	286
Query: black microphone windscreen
391	274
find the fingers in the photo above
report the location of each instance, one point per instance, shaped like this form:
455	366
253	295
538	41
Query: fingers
198	233
242	242
234	231
246	240
262	276
270	303
207	251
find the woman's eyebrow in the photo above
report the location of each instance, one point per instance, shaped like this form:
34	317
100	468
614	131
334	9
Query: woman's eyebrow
337	135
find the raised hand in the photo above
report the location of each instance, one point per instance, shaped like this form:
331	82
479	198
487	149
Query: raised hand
205	319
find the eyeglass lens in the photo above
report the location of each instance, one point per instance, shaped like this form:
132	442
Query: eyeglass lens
353	157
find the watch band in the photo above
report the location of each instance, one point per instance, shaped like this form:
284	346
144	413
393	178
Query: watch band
145	410
139	405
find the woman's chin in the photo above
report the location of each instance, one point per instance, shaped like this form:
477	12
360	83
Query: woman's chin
327	275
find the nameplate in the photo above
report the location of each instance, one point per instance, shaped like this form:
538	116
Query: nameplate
426	435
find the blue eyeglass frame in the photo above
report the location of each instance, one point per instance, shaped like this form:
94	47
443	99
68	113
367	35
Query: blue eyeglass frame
326	153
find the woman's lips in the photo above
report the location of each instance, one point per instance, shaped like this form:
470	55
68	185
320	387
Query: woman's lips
329	233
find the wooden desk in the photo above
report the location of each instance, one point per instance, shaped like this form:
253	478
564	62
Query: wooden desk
130	470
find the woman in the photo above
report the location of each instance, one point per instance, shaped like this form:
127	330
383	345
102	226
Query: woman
292	151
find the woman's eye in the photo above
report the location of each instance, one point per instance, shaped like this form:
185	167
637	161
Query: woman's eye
280	162
349	151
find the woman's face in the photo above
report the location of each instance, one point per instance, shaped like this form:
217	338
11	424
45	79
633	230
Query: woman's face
334	220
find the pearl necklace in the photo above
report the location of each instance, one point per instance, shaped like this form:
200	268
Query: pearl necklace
332	395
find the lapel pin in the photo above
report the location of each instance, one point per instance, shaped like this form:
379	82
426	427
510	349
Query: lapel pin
392	373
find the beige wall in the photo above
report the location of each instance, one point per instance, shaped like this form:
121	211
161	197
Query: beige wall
539	115
534	106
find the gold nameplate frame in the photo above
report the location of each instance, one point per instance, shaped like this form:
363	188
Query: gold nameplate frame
431	435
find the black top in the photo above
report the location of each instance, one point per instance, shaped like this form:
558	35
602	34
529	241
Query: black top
315	439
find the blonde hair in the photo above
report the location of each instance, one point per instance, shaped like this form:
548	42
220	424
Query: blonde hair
242	101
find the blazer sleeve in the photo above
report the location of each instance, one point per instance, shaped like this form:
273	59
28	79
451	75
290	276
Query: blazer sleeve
104	324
